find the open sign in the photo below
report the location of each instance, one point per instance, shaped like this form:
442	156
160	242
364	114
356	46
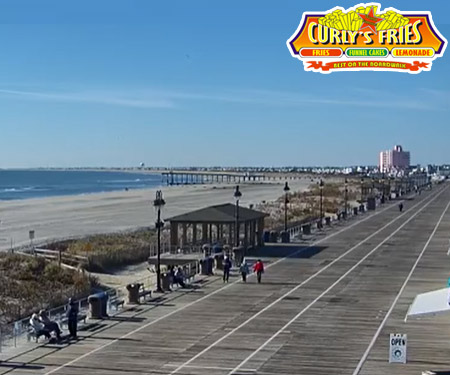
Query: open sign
398	341
397	348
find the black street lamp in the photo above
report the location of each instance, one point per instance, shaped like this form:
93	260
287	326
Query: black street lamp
321	201
373	186
390	181
237	196
159	203
286	201
384	190
362	190
346	197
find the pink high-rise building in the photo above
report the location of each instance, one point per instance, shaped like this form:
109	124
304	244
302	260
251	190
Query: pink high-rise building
394	159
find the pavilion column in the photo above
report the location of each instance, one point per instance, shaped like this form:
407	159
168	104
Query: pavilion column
245	234
184	234
230	234
218	232
210	233
221	232
252	233
205	233
174	233
259	239
194	233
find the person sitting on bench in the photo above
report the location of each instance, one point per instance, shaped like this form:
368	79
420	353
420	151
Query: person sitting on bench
49	325
179	278
38	327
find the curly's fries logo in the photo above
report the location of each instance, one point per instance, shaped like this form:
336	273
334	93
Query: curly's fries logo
366	38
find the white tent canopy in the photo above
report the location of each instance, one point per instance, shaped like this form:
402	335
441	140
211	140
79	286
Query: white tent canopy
435	302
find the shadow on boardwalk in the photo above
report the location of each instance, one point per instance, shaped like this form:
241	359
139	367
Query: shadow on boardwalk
20	366
287	251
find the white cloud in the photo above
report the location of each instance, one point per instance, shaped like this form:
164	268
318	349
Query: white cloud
152	98
92	97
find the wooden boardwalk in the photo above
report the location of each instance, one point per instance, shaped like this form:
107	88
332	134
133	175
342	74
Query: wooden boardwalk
317	312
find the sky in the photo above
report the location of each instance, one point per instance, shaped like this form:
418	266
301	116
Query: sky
201	83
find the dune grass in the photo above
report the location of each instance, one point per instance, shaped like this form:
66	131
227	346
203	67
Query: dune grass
306	205
32	283
106	252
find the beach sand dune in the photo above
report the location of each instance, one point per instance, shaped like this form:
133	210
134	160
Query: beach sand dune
75	216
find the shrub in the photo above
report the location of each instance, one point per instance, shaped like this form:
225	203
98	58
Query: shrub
31	283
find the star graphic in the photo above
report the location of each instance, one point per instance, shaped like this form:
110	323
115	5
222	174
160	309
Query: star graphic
370	21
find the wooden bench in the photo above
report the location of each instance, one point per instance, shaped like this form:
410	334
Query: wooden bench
116	301
190	275
31	333
143	293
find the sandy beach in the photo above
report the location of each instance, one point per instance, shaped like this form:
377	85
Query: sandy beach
75	216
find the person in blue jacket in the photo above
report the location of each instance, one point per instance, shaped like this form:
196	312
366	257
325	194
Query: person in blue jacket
244	270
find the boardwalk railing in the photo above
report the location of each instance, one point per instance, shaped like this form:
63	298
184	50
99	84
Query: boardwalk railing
296	228
14	335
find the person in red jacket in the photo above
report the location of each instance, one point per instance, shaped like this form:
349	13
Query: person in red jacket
259	269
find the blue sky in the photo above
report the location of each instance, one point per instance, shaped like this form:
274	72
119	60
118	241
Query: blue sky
114	83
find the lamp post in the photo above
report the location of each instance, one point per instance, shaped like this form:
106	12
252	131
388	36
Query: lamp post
384	190
237	196
286	201
321	199
346	197
362	188
159	203
390	180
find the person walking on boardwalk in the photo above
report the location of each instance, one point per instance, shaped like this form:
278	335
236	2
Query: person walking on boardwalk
226	268
259	269
244	270
72	316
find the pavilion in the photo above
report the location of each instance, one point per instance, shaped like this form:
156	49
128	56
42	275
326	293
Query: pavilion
217	224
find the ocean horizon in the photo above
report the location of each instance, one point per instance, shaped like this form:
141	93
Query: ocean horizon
36	183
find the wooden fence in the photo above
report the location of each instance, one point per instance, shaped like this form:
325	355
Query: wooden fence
63	258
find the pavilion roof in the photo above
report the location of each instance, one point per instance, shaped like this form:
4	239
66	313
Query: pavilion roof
222	213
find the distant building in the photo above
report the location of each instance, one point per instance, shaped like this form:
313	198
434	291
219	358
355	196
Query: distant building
394	159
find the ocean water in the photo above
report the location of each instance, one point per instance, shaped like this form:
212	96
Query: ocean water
24	184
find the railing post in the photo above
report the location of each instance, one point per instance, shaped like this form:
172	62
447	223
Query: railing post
16	331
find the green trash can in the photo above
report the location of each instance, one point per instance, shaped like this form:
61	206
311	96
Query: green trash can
306	229
219	261
95	306
285	237
165	282
133	293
